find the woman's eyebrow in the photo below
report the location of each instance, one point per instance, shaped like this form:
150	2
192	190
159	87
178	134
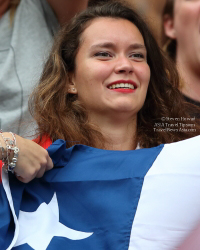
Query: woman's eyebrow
112	45
103	45
137	46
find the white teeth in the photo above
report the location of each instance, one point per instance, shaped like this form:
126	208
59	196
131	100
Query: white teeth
122	85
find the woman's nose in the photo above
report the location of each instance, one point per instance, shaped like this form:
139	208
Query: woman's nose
124	65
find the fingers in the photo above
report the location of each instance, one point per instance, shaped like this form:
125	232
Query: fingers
27	171
22	179
49	163
33	160
41	172
37	172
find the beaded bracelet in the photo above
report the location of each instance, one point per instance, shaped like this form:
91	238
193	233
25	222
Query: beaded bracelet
10	146
2	152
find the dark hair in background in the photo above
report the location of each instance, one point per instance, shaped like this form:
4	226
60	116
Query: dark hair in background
169	45
62	116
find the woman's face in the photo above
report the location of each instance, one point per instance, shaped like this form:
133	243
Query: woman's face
185	29
112	74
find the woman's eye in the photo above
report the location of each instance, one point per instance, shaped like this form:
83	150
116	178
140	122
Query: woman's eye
103	54
138	56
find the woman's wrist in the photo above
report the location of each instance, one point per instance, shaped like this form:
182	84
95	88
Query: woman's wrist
8	151
3	149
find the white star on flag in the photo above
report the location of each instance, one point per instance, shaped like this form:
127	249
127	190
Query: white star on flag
38	228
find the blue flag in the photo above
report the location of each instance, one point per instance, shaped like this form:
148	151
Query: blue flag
105	200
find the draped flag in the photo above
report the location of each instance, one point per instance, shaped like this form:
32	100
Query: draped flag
98	199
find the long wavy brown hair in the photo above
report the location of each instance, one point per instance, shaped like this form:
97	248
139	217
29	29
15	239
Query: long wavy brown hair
61	116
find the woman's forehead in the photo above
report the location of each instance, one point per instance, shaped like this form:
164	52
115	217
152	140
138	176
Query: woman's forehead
111	28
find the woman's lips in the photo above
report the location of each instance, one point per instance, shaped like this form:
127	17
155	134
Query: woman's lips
122	84
121	90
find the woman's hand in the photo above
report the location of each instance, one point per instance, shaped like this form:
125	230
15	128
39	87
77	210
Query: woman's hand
33	160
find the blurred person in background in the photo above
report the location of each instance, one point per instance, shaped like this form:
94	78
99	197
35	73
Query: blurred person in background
151	11
27	29
181	23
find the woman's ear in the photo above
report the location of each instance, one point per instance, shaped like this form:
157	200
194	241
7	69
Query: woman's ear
168	24
71	85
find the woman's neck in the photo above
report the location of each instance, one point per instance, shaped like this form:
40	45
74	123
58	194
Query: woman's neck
119	135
